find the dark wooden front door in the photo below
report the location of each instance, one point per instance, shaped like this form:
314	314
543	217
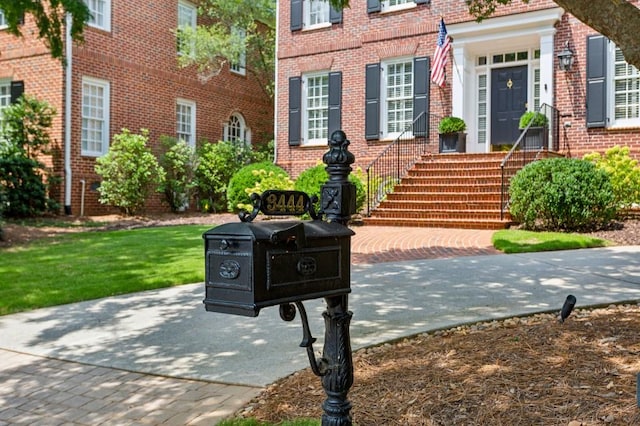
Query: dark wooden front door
508	103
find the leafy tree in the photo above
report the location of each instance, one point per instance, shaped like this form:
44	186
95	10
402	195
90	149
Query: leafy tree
238	27
24	179
616	19
129	172
49	16
179	162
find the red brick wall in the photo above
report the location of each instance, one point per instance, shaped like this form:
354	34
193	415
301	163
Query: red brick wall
138	58
368	38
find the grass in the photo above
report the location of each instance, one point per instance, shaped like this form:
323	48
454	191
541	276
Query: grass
517	241
91	265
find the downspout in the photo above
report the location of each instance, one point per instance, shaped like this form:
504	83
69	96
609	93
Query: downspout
275	90
67	116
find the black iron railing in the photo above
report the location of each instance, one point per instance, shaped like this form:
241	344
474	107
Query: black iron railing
534	143
392	164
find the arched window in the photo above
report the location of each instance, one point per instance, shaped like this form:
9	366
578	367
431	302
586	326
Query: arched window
235	130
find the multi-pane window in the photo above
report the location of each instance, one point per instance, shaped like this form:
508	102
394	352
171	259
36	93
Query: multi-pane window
186	121
95	116
396	4
235	130
398	92
316	112
626	84
240	67
482	108
187	18
100	14
5	97
315	12
3	21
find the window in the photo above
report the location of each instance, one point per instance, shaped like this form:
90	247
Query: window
312	14
3	21
396	94
187	18
241	66
316	112
397	103
100	14
392	5
482	108
613	86
5	96
236	130
186	121
316	13
626	90
315	107
95	117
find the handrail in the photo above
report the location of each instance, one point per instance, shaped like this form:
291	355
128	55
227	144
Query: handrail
386	170
532	143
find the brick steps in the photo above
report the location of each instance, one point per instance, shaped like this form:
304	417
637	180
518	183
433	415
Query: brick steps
446	191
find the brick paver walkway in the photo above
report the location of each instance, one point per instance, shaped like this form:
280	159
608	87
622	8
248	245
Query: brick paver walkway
42	391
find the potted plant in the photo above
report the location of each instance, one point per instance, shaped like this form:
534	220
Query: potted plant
452	136
537	132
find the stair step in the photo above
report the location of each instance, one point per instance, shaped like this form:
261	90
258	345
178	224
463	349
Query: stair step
440	223
451	180
440	214
443	197
468	189
439	205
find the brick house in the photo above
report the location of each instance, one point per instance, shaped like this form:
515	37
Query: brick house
126	75
366	70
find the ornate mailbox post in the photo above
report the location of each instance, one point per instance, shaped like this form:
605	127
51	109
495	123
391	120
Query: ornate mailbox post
251	266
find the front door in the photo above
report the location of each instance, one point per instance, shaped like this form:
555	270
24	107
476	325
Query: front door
508	103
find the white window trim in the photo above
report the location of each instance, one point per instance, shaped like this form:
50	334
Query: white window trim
306	16
107	18
612	122
106	108
192	105
3	21
193	24
244	130
305	111
385	8
240	68
383	96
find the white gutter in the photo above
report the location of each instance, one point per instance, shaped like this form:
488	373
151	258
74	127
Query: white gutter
275	89
67	116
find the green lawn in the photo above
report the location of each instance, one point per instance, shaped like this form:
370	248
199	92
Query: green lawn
517	241
90	265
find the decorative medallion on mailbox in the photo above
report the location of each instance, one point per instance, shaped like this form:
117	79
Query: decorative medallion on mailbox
229	269
307	266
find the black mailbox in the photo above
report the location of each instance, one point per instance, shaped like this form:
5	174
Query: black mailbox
249	266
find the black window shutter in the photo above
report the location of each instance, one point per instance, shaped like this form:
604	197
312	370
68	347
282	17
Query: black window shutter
335	16
17	89
21	20
335	102
296	15
421	87
295	118
372	102
596	81
374	6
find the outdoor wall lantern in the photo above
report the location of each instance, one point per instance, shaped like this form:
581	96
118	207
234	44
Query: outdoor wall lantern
565	58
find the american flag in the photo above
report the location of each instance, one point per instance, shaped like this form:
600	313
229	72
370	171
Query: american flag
441	55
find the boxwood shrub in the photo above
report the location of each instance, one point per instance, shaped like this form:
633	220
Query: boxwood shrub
245	178
562	194
312	179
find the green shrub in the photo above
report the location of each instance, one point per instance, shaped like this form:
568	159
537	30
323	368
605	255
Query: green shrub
267	180
561	194
217	163
179	162
264	152
24	180
539	119
312	179
623	172
129	172
451	125
243	179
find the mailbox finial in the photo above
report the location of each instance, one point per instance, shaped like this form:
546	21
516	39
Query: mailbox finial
338	195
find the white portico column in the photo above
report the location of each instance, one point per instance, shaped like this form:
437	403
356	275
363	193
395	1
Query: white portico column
546	67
